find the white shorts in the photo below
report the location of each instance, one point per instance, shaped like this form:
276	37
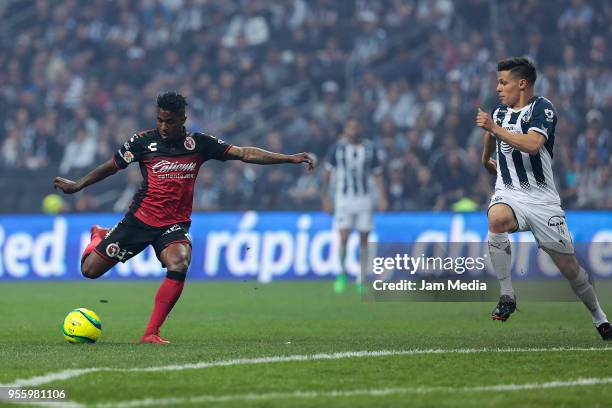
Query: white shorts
345	219
546	222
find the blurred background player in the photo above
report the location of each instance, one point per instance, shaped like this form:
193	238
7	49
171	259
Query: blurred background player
522	130
160	213
354	162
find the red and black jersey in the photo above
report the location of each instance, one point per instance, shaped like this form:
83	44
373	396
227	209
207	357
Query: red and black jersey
169	170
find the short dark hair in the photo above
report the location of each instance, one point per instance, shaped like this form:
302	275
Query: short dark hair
520	67
172	101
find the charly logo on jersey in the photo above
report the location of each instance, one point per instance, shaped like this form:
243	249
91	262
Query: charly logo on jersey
189	143
165	166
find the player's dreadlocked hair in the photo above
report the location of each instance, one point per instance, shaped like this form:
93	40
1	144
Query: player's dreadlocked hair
172	102
519	67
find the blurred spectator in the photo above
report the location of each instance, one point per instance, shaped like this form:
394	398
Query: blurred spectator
597	192
305	193
79	153
80	77
207	195
232	196
134	180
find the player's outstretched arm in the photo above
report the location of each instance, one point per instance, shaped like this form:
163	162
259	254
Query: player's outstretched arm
99	173
261	156
527	143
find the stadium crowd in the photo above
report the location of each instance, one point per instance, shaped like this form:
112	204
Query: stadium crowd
78	78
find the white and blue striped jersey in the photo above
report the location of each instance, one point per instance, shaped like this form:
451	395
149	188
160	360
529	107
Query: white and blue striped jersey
528	176
353	167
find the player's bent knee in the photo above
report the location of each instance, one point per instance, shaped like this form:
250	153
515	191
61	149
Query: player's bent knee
498	225
178	264
501	219
94	266
88	271
177	257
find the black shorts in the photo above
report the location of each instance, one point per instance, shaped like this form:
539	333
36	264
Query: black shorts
130	236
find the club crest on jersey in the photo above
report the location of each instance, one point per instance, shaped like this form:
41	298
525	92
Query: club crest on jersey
128	156
114	251
189	143
526	117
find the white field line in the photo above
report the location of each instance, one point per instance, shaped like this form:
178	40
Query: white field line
376	392
72	373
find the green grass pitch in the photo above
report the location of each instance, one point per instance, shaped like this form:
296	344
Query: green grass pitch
222	321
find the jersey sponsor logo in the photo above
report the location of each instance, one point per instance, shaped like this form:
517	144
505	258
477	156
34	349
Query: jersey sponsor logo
152	147
128	156
189	143
165	166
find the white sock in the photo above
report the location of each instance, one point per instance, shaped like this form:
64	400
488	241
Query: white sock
501	258
585	292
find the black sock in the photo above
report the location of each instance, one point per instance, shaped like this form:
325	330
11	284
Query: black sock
177	276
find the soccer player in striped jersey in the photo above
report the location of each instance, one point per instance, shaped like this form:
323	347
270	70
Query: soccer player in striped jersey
354	162
522	130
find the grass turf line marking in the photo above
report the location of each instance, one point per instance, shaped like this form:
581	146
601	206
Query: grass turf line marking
72	373
380	392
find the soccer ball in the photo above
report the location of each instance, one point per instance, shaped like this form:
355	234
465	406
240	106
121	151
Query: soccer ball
82	326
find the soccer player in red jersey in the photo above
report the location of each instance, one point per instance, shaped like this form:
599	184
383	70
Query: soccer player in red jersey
160	213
